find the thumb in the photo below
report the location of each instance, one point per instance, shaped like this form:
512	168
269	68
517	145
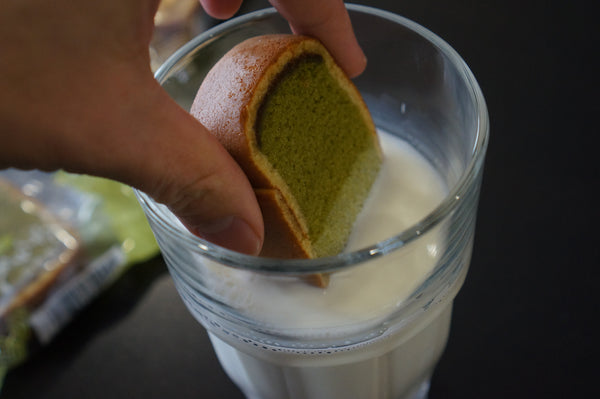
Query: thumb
185	167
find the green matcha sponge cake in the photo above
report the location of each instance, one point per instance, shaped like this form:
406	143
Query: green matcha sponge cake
301	132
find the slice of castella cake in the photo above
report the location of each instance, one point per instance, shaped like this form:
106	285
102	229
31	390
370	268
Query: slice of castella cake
303	135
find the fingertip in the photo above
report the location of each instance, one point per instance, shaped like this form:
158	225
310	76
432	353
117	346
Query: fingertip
355	63
221	9
329	22
232	233
346	51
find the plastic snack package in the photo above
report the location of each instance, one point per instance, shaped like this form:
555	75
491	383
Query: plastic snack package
64	238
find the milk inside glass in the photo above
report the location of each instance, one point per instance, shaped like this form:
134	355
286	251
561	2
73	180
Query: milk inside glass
398	360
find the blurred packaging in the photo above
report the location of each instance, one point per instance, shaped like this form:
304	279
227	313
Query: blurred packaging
63	239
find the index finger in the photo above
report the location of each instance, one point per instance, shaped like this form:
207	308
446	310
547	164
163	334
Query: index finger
328	21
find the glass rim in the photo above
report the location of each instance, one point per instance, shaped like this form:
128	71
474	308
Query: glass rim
345	259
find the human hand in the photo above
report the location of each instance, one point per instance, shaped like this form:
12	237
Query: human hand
326	20
77	93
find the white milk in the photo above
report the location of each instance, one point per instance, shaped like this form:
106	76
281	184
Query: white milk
399	362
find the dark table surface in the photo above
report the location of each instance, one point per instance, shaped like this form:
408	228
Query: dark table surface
523	322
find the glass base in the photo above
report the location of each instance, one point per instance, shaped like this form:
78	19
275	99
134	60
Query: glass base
421	391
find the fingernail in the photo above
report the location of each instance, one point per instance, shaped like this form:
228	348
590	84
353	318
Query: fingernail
232	233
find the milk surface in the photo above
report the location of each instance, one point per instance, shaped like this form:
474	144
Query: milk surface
406	190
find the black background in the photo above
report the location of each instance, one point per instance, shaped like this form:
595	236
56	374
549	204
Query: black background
524	322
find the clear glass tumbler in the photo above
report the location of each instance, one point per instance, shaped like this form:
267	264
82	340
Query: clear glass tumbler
416	87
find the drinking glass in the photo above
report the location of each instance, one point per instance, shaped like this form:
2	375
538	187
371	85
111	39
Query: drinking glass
417	88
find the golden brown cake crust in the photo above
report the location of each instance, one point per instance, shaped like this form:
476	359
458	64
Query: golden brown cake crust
223	101
280	237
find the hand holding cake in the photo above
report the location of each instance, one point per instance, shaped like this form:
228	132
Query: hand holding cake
77	93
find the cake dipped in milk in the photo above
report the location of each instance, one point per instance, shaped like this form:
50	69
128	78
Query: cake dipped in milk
303	135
